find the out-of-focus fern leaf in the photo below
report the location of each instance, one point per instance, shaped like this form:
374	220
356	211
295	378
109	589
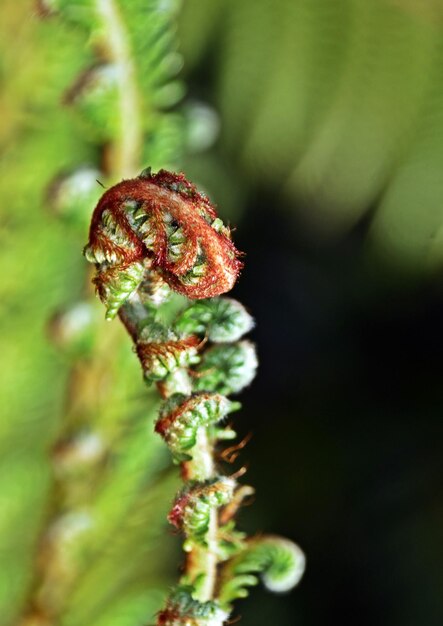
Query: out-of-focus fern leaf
33	251
130	609
138	535
337	105
409	221
83	485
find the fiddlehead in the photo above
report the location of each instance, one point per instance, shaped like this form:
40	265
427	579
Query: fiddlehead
181	418
280	564
150	236
192	508
159	223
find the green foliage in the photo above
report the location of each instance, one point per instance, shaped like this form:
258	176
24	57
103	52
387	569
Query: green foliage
72	194
134	73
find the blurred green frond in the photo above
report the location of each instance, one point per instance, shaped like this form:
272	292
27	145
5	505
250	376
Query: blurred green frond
337	105
83	483
279	562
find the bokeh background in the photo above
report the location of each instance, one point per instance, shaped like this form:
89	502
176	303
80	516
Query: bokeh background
317	127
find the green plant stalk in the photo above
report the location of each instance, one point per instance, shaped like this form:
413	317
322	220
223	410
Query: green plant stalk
201	558
204	558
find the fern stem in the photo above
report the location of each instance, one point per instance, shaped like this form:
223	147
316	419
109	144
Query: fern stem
203	558
124	152
200	558
132	314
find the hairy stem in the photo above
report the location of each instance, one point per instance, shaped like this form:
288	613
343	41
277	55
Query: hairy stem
200	558
203	558
132	314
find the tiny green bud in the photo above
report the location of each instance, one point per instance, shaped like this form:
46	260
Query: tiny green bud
114	284
219	319
227	368
192	508
181	417
162	352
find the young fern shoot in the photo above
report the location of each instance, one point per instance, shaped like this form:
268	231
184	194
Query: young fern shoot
151	236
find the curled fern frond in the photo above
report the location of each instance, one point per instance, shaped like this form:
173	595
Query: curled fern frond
221	320
181	417
160	222
227	368
279	562
192	507
161	351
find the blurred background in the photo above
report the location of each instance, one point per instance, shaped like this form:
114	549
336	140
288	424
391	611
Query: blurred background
317	128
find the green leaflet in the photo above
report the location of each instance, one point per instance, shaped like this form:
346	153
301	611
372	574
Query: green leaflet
142	41
119	286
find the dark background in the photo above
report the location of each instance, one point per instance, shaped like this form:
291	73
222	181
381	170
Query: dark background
346	410
346	415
